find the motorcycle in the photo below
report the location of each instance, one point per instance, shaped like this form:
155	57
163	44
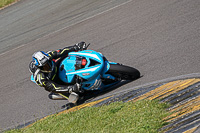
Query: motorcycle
93	71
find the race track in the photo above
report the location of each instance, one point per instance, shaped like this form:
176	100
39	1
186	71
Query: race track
158	37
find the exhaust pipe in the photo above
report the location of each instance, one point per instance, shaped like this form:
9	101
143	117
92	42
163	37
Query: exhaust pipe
55	96
73	97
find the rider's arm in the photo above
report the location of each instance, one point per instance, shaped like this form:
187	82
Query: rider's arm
61	52
51	86
64	52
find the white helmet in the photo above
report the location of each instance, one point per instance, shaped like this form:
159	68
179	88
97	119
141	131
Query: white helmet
43	62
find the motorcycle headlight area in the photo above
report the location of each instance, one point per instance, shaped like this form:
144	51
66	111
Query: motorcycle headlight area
80	62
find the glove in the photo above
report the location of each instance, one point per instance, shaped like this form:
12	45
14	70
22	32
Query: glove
80	46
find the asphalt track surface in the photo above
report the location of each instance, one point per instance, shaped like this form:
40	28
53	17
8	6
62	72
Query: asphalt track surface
160	38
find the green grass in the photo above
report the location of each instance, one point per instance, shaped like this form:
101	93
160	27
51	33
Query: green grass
140	117
4	3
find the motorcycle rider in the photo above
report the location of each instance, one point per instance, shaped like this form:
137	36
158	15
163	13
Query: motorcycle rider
44	67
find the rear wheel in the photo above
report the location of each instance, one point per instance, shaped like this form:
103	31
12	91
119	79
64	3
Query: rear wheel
124	72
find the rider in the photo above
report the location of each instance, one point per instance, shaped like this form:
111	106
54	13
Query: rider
44	67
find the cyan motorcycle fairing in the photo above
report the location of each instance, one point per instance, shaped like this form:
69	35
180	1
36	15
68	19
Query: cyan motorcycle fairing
93	70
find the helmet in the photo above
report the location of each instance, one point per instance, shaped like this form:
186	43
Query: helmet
41	61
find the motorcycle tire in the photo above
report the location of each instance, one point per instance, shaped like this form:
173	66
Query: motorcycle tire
123	72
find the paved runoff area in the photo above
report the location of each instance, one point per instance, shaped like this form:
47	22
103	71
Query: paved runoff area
183	95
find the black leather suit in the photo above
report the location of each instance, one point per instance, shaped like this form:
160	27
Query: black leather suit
50	81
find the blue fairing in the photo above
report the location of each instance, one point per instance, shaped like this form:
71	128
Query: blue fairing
91	72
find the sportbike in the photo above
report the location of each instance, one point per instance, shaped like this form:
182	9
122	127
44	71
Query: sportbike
93	71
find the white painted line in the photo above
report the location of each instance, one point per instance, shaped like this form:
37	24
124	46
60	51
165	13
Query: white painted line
13	49
68	26
86	19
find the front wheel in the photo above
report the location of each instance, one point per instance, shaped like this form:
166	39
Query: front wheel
123	72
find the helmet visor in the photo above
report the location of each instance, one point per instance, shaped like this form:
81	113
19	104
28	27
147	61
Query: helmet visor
47	68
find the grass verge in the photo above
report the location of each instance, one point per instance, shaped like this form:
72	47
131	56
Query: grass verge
4	3
139	117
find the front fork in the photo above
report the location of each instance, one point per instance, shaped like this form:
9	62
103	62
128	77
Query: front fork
106	68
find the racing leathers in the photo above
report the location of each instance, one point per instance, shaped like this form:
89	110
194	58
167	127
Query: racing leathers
50	81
